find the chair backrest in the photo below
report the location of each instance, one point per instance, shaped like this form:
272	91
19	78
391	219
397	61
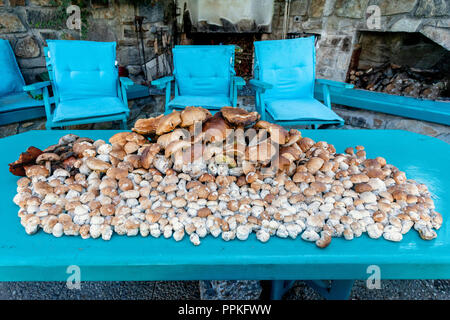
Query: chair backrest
11	79
82	69
289	65
203	70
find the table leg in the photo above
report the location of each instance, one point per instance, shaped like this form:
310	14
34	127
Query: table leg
279	288
338	290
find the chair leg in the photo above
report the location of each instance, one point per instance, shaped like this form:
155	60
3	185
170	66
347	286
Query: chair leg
338	290
123	124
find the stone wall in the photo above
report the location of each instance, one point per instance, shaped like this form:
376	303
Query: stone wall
27	24
338	23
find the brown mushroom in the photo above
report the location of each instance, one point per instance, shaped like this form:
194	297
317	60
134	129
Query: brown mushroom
239	117
168	122
191	115
277	133
147	126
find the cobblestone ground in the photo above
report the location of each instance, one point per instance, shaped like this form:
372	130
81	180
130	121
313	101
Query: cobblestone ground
181	290
189	290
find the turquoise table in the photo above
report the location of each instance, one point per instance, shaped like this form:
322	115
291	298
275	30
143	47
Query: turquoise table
42	257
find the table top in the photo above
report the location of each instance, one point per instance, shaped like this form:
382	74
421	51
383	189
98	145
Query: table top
42	257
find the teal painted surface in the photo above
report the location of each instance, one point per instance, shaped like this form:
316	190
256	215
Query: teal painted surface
204	76
44	257
415	108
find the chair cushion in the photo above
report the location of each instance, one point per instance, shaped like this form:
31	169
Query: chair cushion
288	65
89	108
83	68
12	80
18	101
213	102
300	109
203	70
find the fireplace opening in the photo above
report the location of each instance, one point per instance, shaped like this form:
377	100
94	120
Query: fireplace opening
401	63
244	48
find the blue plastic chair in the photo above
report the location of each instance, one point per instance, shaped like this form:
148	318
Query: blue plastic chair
85	83
15	104
204	77
284	84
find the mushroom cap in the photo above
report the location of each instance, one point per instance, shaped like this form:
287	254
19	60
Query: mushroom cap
147	126
26	158
177	134
136	138
97	164
190	115
47	156
80	146
294	136
262	152
148	155
119	138
193	153
175	146
215	128
239	117
68	138
277	133
290	151
168	122
306	144
282	163
36	171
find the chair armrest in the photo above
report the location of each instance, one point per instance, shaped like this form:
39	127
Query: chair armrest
126	82
238	81
337	84
37	86
162	82
260	85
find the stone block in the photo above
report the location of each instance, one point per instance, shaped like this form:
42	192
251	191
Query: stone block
433	8
10	23
406	25
40	18
439	35
17	3
38	62
100	30
27	48
316	8
46	3
131	55
312	24
103	13
9	130
152	12
351	8
389	7
299	7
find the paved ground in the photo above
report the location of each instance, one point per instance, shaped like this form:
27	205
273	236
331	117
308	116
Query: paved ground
186	290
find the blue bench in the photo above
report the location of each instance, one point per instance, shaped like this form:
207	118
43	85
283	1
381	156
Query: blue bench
410	107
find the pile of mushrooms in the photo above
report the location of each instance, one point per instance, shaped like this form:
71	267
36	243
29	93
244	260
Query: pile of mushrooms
192	174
